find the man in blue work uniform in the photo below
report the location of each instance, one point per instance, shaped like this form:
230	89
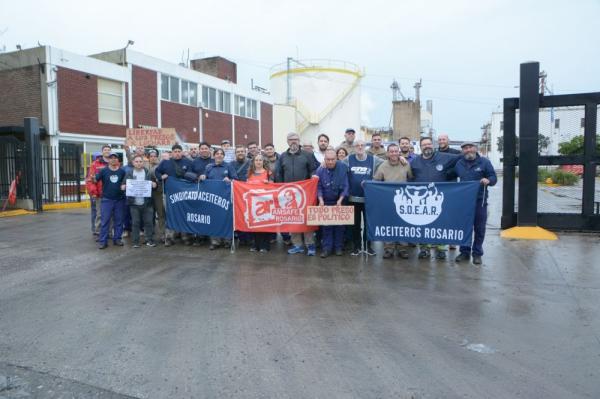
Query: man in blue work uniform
176	167
331	190
432	166
203	159
112	202
473	167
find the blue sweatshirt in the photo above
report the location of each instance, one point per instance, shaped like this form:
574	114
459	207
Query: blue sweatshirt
167	166
221	171
438	168
333	183
476	170
359	171
241	168
199	165
111	183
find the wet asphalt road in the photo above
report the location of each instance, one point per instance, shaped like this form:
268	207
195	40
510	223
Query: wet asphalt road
189	323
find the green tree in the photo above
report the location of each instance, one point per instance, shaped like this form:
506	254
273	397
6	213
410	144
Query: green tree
543	143
575	146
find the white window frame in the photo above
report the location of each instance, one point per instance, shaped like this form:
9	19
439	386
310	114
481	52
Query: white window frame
123	105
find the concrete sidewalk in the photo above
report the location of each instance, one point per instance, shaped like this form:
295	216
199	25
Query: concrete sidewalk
185	322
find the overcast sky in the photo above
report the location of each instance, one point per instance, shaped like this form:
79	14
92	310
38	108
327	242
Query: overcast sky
467	52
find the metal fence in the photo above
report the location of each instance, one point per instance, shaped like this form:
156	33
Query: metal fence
568	142
12	167
61	173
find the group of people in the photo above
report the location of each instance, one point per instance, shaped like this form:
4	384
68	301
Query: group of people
341	172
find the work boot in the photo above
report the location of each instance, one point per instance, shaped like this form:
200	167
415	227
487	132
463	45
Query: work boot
476	260
311	250
388	254
424	254
440	255
324	254
103	246
370	251
355	252
463	257
403	254
118	243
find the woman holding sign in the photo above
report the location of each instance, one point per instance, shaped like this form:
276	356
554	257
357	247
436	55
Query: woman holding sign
257	173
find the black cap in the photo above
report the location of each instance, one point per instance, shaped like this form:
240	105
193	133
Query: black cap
467	143
350	130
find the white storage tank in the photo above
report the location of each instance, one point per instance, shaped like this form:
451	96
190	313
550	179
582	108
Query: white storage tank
325	95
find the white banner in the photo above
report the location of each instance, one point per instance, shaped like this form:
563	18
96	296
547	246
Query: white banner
138	188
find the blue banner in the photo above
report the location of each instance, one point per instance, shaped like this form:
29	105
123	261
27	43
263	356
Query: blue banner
421	213
199	208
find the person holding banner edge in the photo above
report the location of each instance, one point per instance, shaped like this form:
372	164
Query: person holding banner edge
393	170
296	165
176	166
331	190
473	167
361	167
432	166
219	170
257	173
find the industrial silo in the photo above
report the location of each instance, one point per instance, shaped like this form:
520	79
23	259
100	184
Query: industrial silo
315	96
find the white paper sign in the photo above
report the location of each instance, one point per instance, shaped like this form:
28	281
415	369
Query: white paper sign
138	188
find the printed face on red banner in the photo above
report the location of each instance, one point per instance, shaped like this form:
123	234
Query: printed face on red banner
274	207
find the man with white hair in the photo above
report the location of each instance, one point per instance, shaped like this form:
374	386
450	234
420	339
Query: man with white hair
296	165
361	167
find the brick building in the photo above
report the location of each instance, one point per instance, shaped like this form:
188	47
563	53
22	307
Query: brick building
92	100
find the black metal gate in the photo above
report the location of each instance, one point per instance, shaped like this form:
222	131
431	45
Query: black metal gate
61	173
12	167
586	216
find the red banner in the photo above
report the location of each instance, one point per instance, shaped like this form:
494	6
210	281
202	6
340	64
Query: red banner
273	207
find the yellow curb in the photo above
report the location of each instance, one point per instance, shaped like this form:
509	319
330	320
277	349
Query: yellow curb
15	212
528	233
66	205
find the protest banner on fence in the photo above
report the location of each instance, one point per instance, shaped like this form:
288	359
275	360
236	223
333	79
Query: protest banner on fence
199	208
274	207
330	215
426	213
150	137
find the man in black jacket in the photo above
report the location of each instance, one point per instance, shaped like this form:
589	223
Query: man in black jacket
296	165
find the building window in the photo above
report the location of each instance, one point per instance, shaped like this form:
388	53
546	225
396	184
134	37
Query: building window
193	94
251	111
111	104
164	87
174	89
185	93
209	98
240	106
224	104
557	123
